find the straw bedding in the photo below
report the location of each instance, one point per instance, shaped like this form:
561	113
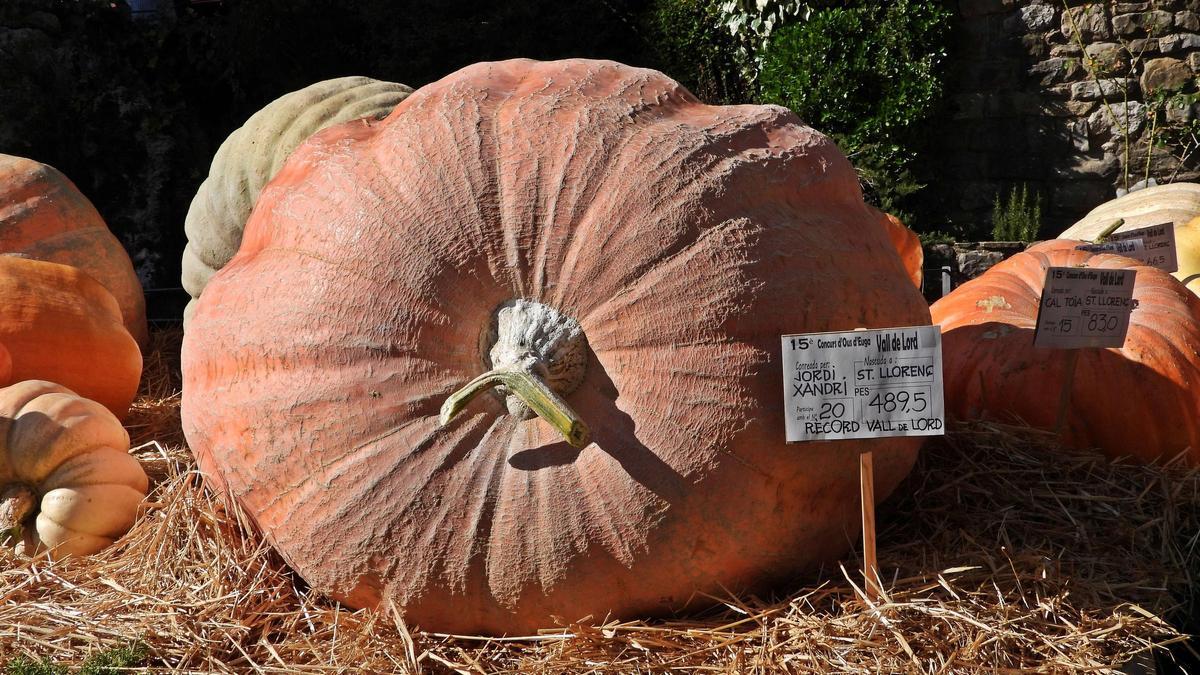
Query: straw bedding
1004	553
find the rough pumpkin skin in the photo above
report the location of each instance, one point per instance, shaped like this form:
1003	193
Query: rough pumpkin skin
1139	400
59	324
5	366
65	459
44	216
684	239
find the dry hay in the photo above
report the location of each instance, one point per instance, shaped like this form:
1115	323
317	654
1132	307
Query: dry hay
1004	554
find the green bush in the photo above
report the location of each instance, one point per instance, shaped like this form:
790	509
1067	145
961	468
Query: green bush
868	73
1018	218
689	43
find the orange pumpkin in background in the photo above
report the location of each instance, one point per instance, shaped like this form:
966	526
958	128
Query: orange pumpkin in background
43	216
992	370
59	324
629	258
907	244
5	366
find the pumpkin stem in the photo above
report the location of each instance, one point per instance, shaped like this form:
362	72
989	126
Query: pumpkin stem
1107	232
521	381
17	501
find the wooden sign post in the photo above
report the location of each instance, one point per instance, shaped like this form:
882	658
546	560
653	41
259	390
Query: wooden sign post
1082	308
864	384
1064	397
866	478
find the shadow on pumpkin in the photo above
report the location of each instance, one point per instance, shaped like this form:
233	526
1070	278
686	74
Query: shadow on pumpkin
613	432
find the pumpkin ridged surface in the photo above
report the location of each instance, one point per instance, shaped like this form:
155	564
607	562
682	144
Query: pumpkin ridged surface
253	153
1173	203
44	216
684	239
1177	203
59	324
72	452
992	369
5	365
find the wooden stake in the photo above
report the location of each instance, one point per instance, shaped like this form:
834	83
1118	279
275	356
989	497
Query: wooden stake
866	475
1064	397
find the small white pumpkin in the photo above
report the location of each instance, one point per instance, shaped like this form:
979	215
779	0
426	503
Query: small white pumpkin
65	468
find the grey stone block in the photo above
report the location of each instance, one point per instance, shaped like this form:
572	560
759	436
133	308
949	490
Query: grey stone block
1178	42
1154	21
1092	90
1164	74
1056	70
1090	20
1105	59
1031	18
1118	118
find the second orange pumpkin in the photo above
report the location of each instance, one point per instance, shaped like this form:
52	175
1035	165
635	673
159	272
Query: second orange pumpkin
44	216
1140	400
59	324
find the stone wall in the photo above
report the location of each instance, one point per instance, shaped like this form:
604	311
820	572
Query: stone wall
1077	100
948	266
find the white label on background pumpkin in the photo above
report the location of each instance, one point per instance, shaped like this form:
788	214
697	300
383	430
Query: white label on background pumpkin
863	384
1155	247
1130	248
1084	307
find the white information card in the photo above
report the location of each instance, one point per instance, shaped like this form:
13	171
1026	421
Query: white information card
863	384
1153	246
1083	307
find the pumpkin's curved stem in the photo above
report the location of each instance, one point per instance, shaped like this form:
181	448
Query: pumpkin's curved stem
530	388
1107	232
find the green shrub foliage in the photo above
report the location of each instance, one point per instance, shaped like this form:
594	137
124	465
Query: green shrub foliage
1019	217
689	42
869	73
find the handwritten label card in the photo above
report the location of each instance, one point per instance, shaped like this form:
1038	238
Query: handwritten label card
1083	307
1153	246
864	384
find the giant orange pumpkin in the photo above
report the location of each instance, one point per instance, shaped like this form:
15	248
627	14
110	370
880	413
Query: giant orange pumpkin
59	324
621	259
44	216
1142	399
